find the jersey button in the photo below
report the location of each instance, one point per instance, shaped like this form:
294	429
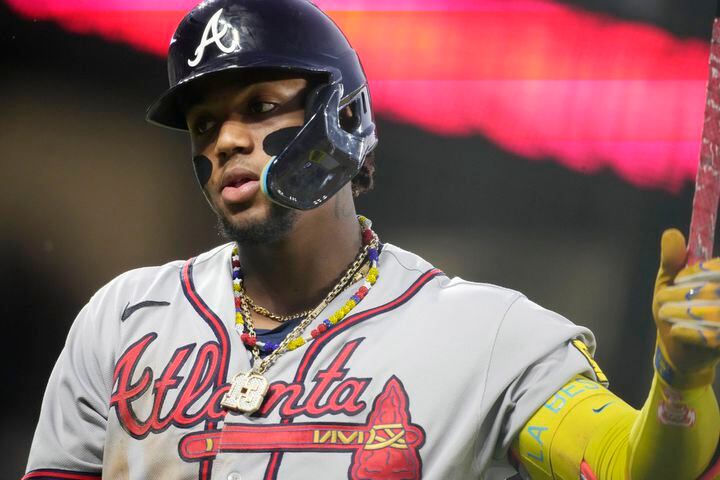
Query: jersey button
234	476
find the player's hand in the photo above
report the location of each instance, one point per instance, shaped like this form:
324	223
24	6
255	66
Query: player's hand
686	307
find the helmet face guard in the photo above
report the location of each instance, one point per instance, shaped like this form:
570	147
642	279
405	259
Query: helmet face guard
323	156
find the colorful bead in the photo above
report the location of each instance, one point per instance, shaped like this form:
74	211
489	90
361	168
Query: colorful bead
251	340
296	343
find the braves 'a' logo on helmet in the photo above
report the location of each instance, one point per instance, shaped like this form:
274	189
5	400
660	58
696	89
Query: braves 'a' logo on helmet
215	30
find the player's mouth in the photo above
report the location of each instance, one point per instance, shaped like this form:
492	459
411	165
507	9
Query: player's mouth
239	185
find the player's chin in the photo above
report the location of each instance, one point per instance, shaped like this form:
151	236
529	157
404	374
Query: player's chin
257	209
261	222
250	212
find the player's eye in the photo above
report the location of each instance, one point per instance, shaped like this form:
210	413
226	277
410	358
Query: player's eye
259	106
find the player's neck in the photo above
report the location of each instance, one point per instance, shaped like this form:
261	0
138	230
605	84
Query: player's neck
296	273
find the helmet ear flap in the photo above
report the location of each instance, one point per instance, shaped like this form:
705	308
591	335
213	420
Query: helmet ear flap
324	156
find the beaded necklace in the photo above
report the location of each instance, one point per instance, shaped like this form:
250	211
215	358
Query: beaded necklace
247	390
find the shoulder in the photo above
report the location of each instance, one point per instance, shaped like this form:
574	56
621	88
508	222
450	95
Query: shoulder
160	280
450	292
503	312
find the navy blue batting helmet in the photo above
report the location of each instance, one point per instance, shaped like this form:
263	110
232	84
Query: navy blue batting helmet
221	36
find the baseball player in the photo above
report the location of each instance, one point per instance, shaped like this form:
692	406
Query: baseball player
307	348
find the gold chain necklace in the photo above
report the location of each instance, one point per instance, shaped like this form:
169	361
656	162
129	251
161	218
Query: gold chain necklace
267	313
342	284
358	275
248	389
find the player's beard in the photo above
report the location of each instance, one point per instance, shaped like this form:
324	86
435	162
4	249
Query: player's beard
274	227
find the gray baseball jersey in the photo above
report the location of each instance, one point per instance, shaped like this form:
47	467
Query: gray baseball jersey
428	377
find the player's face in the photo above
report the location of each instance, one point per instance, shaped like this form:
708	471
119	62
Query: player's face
235	129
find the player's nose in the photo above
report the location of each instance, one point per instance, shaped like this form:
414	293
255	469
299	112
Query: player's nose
233	137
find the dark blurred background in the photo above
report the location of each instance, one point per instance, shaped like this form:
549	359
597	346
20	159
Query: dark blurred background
90	190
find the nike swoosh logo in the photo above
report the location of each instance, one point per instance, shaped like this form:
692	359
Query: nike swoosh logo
600	409
130	309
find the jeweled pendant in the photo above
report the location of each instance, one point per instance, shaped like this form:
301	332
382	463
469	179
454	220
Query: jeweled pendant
246	394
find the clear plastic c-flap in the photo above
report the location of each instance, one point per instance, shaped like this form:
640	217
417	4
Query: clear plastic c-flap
319	161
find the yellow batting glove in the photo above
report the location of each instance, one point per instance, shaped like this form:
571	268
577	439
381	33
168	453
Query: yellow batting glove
686	307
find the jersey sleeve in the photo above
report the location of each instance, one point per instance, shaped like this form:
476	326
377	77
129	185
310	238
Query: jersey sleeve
70	433
535	353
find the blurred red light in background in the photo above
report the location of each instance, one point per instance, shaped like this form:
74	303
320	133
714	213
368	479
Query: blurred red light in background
538	78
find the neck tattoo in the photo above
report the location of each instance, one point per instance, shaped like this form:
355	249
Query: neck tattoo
247	390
